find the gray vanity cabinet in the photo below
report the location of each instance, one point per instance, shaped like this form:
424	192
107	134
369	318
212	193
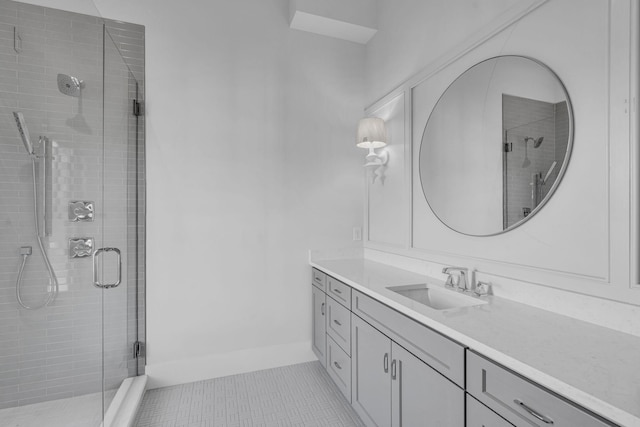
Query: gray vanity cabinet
319	341
397	372
392	387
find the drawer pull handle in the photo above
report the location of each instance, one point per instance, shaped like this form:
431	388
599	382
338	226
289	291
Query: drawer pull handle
336	291
533	412
322	309
337	365
336	322
385	363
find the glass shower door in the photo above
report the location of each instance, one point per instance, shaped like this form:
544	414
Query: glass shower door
121	179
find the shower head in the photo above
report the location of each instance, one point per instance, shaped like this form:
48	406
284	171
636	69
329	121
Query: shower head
69	85
24	132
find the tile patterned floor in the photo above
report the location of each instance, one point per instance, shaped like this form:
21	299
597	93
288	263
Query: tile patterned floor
296	395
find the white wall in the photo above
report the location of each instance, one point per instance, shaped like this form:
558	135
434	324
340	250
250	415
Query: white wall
251	162
582	241
413	33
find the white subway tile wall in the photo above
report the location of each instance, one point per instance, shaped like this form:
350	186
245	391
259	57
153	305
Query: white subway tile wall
57	352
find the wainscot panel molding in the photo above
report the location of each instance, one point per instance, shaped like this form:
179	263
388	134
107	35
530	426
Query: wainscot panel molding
387	202
584	240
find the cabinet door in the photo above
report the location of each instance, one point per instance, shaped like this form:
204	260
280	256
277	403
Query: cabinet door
319	342
370	379
421	396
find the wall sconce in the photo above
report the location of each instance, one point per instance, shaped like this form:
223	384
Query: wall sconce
372	134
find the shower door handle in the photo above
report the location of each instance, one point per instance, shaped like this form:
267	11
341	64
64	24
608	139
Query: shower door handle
96	281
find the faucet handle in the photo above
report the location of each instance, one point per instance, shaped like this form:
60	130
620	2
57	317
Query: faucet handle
449	283
482	289
461	282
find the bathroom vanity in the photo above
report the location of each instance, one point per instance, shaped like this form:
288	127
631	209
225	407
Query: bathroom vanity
495	363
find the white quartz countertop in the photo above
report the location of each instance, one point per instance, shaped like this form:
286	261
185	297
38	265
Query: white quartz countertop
596	367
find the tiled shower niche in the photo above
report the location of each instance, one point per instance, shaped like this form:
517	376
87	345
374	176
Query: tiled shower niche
97	154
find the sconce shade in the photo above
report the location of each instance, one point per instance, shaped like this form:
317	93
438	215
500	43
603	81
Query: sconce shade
371	133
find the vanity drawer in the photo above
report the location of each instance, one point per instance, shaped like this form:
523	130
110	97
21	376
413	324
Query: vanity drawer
439	352
318	278
339	367
339	324
339	291
520	401
479	415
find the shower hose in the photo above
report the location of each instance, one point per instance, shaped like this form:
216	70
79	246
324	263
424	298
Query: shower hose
52	290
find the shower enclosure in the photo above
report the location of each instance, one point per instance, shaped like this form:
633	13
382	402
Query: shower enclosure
536	135
72	227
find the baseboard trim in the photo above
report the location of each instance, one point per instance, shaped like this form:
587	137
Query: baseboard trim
224	364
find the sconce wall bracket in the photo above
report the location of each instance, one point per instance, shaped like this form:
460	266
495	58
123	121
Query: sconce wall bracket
376	159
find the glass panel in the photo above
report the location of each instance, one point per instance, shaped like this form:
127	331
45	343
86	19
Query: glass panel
50	71
120	207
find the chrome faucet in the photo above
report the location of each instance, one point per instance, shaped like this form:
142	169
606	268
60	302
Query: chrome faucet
462	279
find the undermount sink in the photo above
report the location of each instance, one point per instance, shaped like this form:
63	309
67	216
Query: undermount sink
436	298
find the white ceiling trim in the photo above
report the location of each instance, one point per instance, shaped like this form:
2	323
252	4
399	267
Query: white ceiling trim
331	27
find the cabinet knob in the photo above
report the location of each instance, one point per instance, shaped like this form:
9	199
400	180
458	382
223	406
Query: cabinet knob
336	322
337	365
385	363
322	309
393	369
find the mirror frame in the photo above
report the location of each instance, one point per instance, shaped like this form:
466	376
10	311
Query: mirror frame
561	171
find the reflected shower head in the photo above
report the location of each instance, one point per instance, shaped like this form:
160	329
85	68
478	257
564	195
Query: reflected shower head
536	142
69	85
24	132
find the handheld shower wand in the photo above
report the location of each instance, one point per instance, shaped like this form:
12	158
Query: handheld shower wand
25	251
24	132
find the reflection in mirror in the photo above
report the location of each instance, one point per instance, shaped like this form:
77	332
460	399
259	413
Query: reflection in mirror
537	134
496	145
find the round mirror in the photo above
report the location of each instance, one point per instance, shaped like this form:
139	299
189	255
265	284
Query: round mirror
496	145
